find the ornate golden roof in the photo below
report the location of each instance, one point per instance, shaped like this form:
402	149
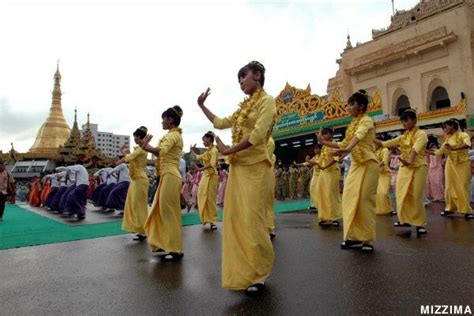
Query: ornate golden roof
55	131
422	10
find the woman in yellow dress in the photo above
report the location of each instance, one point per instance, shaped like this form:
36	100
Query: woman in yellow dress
313	186
136	204
207	192
329	201
360	189
411	178
457	170
247	252
271	195
384	204
163	225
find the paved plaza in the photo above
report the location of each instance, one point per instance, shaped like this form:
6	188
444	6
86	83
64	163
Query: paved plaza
311	276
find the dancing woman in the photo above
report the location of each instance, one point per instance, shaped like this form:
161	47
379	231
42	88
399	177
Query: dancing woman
360	189
329	201
207	193
384	204
163	225
247	252
411	178
136	206
457	170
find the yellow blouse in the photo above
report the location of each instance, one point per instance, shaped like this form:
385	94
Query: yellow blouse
316	159
271	149
258	127
383	156
415	139
137	163
171	146
456	140
209	159
326	157
361	127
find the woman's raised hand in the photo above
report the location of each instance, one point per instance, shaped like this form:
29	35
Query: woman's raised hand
202	98
145	141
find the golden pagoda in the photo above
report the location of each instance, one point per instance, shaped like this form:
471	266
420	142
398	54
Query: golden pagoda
55	131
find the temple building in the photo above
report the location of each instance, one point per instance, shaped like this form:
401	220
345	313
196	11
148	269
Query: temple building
422	60
55	131
56	144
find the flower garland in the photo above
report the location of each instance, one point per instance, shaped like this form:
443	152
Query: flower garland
407	140
239	118
356	152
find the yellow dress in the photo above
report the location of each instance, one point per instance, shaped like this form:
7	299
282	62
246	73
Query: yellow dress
384	204
207	190
313	186
329	200
272	183
360	188
163	225
136	204
457	173
410	189
247	252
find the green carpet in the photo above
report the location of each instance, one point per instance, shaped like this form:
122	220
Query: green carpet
22	228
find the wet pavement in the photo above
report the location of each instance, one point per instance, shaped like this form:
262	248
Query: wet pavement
115	275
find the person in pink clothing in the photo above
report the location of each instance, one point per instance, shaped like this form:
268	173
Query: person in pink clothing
394	165
187	188
435	181
223	174
194	191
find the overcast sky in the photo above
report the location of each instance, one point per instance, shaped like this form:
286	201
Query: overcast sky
126	61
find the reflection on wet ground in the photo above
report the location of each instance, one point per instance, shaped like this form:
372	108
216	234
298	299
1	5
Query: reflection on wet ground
115	275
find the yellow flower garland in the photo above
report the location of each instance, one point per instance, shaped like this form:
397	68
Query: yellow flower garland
356	153
239	118
407	140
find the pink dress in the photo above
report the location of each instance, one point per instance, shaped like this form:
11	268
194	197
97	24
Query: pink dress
222	184
394	165
194	191
187	187
435	182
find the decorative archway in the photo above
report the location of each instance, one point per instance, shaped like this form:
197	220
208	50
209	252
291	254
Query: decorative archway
400	101
437	95
439	99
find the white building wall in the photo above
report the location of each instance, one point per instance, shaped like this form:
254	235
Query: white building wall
108	143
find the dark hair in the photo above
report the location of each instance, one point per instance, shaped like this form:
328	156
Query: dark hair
140	132
452	123
209	135
361	98
318	146
327	130
254	67
408	114
175	113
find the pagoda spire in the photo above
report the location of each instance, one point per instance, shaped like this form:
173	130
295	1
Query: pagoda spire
57	89
55	131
